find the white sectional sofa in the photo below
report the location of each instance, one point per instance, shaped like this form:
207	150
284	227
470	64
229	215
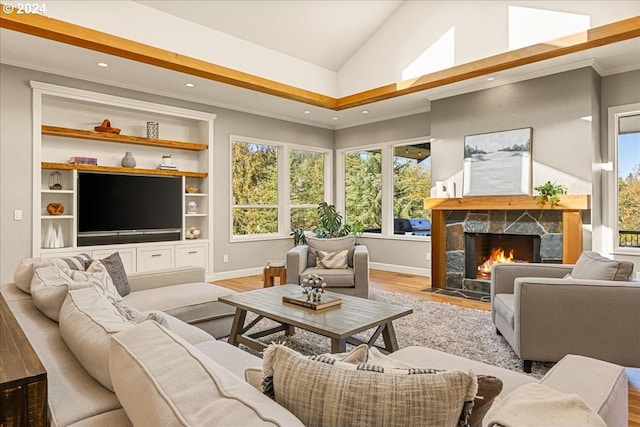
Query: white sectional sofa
184	376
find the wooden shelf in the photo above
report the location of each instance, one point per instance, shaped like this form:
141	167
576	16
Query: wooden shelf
68	166
122	139
567	202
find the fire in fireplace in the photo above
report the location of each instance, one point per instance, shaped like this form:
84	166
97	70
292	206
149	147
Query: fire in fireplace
482	250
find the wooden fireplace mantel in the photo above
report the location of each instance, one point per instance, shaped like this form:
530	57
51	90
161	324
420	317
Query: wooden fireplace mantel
570	205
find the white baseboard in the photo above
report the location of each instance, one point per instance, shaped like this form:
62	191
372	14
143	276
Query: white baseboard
416	271
233	274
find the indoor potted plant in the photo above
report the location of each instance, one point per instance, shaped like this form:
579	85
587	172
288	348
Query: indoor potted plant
330	226
549	193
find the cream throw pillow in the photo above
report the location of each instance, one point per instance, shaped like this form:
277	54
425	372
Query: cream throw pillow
332	260
333	393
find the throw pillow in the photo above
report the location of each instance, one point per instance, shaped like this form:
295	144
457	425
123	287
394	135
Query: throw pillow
331	394
115	268
100	278
49	287
76	262
592	266
329	245
489	388
24	273
332	260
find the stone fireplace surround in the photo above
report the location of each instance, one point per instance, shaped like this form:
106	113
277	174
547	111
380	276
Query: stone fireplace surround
544	223
560	226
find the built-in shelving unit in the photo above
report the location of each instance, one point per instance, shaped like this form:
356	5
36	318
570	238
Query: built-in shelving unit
63	123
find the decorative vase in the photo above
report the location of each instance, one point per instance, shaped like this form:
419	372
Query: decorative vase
128	161
153	130
166	160
192	208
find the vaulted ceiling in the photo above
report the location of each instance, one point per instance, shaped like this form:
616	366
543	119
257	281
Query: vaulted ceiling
276	55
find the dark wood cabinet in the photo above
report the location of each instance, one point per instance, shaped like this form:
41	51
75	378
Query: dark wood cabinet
23	379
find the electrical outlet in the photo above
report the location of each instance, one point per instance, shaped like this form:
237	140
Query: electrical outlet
225	258
428	256
17	215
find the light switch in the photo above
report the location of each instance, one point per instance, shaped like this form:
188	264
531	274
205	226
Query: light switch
17	215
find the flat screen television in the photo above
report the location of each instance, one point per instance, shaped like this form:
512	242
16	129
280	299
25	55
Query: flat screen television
118	208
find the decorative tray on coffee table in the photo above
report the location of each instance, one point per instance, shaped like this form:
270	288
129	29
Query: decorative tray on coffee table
301	300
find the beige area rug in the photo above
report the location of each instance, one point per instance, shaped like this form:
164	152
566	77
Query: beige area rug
461	331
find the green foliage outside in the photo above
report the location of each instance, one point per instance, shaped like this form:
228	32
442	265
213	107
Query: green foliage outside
363	188
629	201
255	189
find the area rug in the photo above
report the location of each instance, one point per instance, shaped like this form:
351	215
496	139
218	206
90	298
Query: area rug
461	331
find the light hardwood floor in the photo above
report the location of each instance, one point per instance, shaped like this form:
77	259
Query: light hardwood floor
412	286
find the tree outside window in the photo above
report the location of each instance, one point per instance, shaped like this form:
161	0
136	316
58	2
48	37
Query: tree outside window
411	180
254	188
306	187
363	189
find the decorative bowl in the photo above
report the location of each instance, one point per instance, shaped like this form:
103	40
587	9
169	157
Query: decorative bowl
192	190
106	127
55	208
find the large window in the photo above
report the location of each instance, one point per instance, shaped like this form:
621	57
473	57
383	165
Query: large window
363	189
411	180
254	188
275	187
628	180
306	187
384	187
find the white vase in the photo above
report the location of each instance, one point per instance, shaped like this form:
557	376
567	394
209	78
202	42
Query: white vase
59	238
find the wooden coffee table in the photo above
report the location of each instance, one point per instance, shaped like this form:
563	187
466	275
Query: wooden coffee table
339	323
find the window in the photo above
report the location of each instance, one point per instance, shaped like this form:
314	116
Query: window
411	185
628	180
275	187
254	188
384	187
363	189
306	187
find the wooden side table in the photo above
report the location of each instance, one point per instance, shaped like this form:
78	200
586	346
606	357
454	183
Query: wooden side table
23	379
270	272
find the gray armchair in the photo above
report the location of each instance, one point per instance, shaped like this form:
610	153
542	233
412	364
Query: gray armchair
352	280
545	316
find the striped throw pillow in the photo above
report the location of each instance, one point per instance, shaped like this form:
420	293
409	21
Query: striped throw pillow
327	392
332	260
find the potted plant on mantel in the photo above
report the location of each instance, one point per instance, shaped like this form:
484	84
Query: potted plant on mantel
330	226
549	193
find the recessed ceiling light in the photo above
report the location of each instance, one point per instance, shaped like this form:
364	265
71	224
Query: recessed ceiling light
365	111
189	85
102	64
334	118
491	78
307	112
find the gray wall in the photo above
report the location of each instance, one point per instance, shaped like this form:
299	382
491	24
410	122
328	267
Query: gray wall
16	166
552	106
389	252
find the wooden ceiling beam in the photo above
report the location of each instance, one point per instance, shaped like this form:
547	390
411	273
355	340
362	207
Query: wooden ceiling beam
64	32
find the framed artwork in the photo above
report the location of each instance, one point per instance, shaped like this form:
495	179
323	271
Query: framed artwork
497	163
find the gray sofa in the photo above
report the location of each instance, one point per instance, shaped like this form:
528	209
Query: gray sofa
544	315
351	280
212	371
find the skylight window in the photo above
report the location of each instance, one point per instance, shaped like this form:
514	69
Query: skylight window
529	26
438	56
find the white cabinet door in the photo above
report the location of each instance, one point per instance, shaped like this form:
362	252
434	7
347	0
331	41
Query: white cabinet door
191	255
128	257
154	258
